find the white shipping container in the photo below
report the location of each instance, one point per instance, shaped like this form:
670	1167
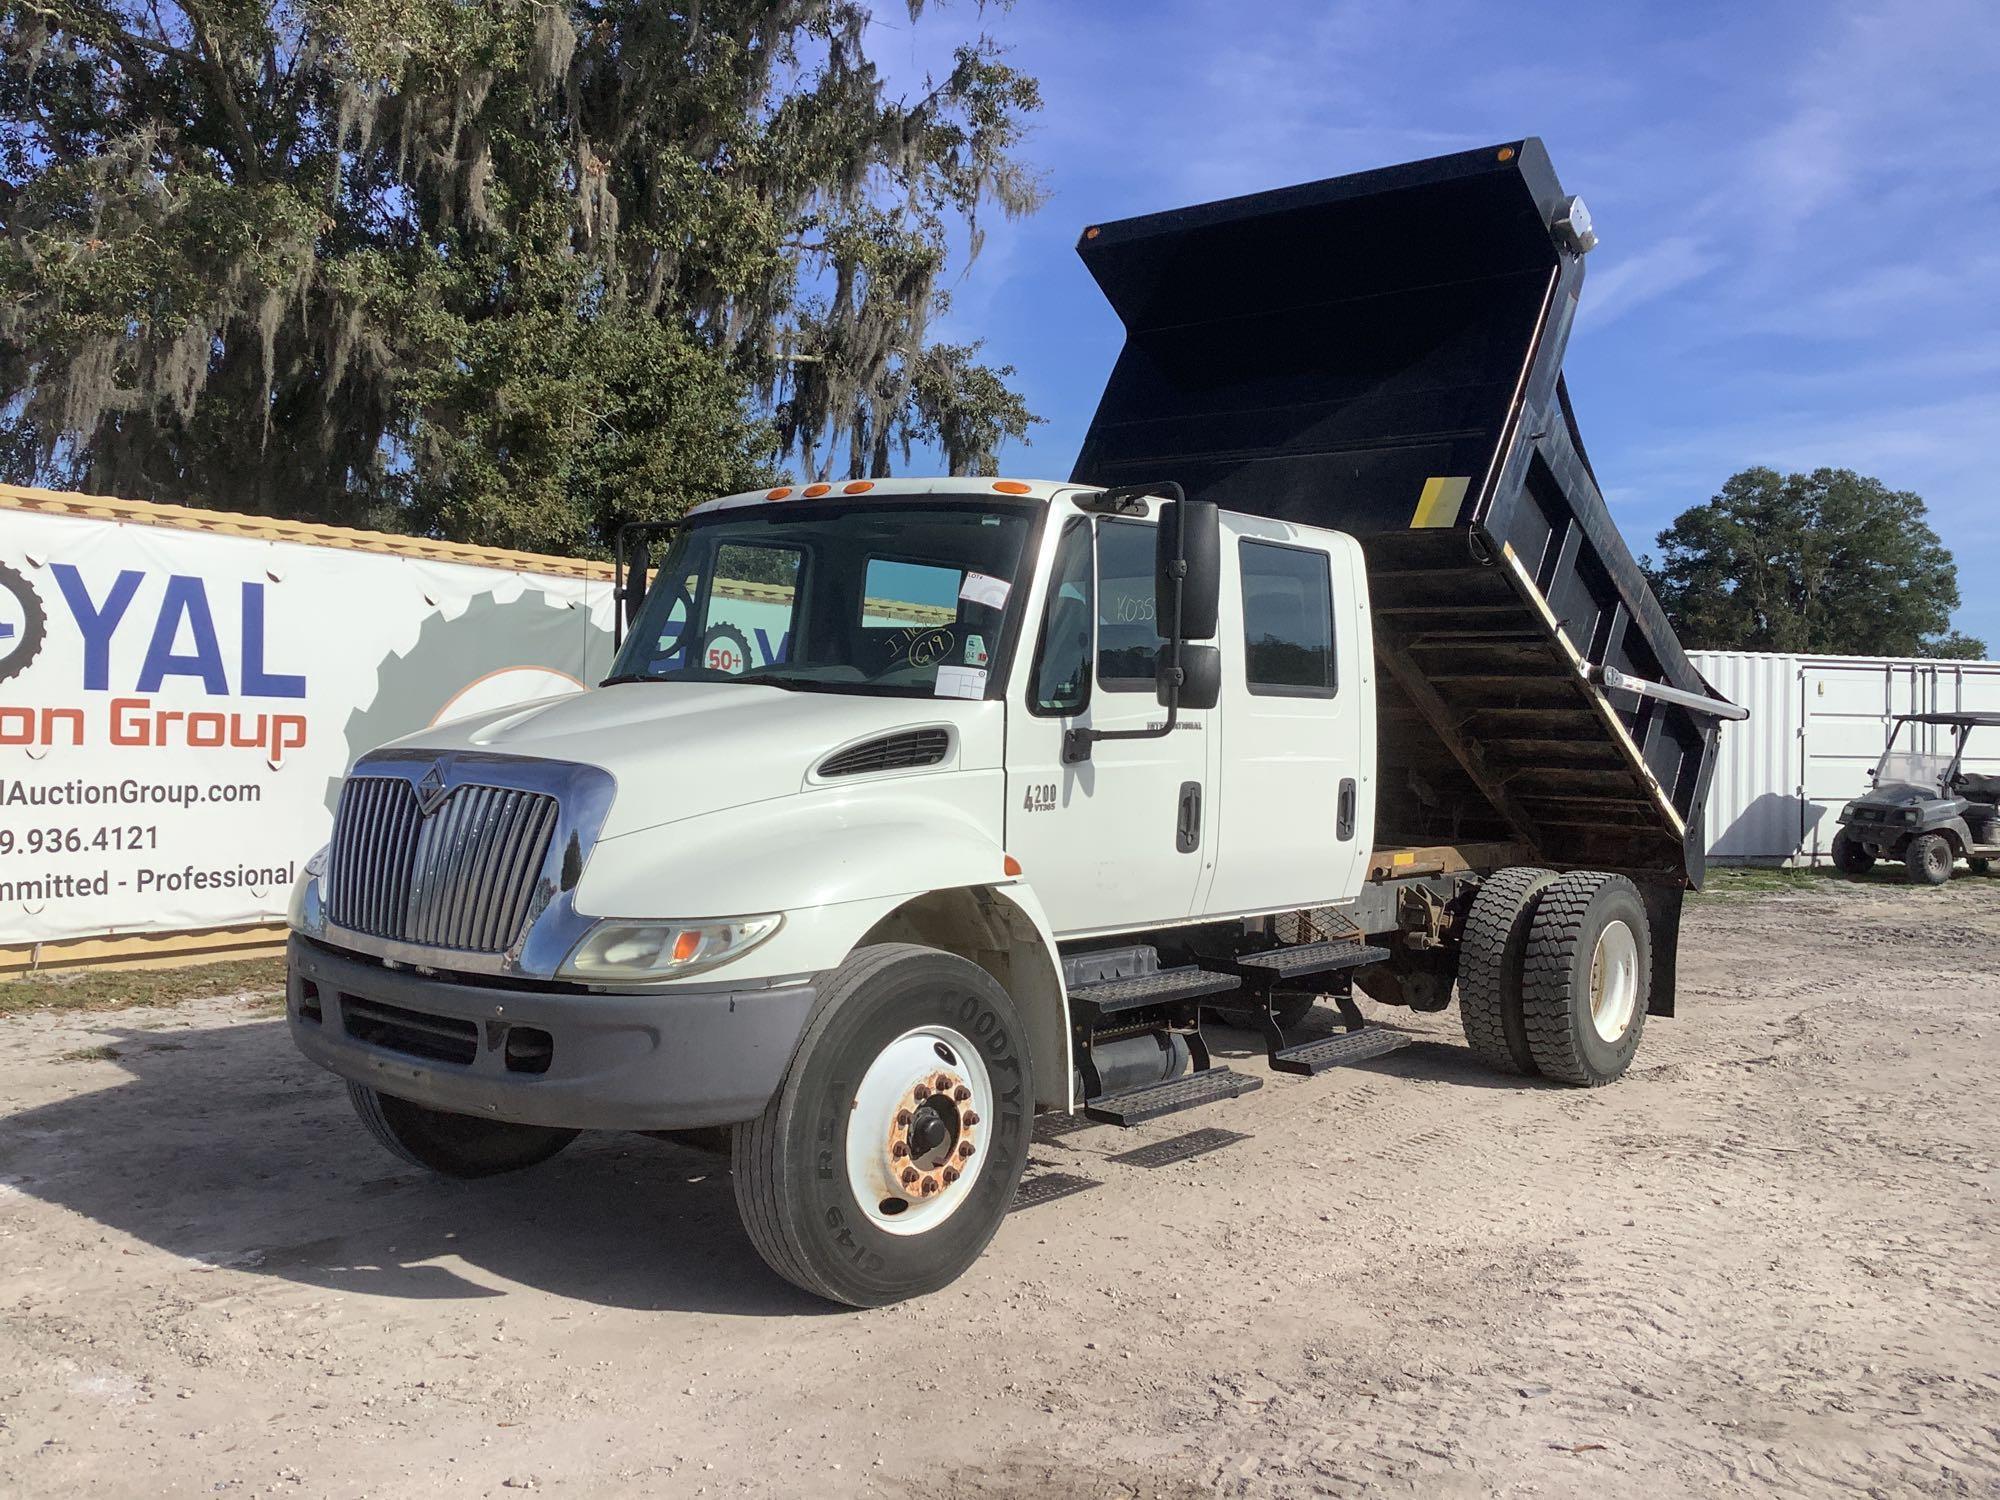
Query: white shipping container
1817	726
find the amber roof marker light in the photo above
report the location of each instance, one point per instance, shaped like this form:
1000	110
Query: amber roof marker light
1012	487
1506	153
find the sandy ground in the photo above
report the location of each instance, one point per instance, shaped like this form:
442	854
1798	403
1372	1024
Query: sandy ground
1767	1258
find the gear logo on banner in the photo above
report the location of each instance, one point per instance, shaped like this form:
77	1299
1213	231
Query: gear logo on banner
24	624
489	655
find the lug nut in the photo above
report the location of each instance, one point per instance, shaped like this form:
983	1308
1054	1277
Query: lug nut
944	1083
970	1117
930	1185
902	1117
909	1175
922	1091
961	1093
965	1148
950	1174
899	1150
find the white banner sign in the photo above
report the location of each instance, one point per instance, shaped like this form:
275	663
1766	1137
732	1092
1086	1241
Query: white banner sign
177	708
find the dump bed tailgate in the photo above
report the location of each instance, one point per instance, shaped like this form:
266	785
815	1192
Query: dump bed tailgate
1382	354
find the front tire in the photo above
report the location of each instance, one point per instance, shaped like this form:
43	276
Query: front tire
1849	857
891	1151
1929	859
1587	978
1489	967
451	1144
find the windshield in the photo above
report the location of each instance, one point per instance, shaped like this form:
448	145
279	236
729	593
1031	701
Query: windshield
911	599
1913	768
1908	763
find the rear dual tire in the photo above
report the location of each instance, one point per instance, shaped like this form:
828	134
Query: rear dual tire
1555	974
1586	978
1489	967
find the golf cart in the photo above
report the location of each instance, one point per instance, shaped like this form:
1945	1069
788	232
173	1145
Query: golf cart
1925	808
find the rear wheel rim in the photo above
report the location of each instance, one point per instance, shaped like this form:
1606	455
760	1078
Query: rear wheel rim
1614	981
917	1136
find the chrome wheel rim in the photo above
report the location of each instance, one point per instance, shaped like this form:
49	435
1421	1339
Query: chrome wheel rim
1614	981
917	1135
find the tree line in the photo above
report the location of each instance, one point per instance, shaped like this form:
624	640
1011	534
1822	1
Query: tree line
1826	563
513	272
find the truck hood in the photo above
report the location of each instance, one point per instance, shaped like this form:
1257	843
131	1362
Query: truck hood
681	749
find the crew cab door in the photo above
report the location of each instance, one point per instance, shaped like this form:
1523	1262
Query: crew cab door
1295	805
1117	841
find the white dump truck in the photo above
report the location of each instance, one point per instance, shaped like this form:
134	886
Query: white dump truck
913	809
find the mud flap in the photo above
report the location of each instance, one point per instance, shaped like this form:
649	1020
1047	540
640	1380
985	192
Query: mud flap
1663	915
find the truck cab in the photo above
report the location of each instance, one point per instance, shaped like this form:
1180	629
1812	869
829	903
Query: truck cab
911	809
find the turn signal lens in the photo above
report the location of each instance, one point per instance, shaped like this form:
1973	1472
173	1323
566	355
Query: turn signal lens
637	952
1011	865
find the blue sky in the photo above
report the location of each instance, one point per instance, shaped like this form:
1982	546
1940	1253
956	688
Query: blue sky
1799	204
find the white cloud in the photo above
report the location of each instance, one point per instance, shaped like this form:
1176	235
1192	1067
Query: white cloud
1636	279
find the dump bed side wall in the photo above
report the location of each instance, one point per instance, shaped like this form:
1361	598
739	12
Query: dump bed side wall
1382	354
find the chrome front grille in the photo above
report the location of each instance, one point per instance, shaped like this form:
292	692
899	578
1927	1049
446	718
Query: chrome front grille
461	877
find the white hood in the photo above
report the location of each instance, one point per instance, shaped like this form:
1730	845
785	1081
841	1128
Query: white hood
681	749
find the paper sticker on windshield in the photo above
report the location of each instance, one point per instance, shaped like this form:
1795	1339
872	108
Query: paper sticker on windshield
982	588
975	651
961	682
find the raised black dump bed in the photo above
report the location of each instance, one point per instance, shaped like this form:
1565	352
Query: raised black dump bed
1382	354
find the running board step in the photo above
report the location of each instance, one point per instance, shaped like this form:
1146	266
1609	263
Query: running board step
1337	1051
1109	996
1189	1091
1312	958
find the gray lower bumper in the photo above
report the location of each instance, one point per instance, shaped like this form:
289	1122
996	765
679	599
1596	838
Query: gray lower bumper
661	1061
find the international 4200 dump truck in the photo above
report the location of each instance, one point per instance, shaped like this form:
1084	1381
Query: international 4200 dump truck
915	808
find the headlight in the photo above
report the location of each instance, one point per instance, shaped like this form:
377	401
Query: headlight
615	951
307	912
1846	814
1913	815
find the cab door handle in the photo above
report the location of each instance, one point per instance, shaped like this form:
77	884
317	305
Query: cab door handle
1344	818
1187	830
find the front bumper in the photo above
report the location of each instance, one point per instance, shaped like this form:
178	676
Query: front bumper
661	1060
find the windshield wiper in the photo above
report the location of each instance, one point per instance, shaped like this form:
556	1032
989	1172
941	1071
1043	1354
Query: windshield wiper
699	674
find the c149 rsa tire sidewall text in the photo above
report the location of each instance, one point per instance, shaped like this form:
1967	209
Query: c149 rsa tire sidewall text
792	1181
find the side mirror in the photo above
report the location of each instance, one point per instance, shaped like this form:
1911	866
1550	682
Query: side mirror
1188	560
1201	676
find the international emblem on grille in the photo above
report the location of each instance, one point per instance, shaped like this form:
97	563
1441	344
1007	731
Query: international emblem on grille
431	790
